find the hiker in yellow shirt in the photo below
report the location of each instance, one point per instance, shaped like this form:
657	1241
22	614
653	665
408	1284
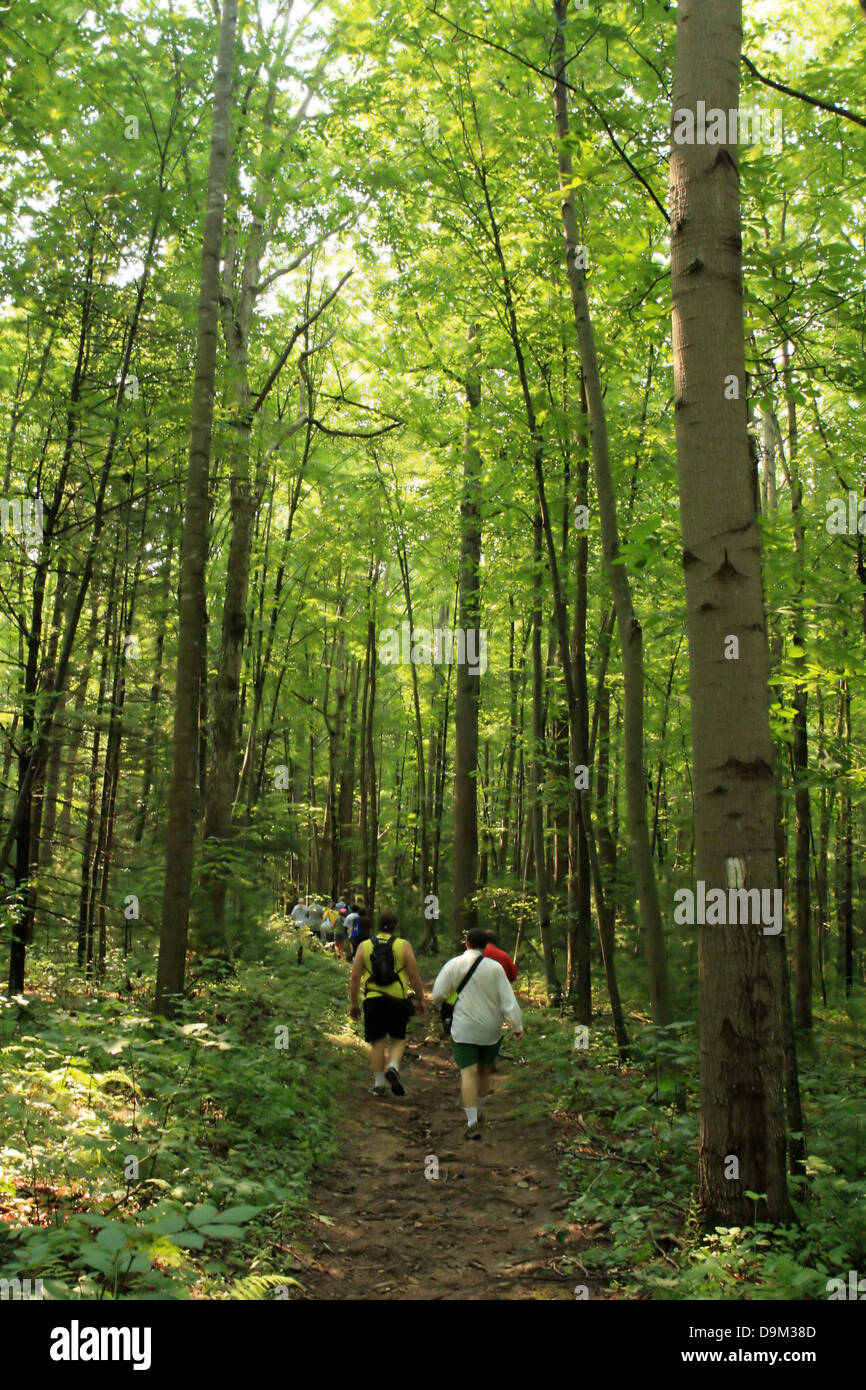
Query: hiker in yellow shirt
330	918
384	968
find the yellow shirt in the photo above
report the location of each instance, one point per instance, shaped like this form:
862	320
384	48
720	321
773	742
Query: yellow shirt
400	988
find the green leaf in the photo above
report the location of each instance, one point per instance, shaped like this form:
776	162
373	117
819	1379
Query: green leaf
237	1214
167	1225
200	1216
92	1257
190	1240
111	1238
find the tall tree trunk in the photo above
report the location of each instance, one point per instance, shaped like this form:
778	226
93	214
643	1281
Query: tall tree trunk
75	735
845	848
468	693
155	692
739	972
192	630
403	559
542	890
630	633
399	788
822	854
371	853
800	745
347	787
44	845
88	856
439	804
512	738
521	777
579	872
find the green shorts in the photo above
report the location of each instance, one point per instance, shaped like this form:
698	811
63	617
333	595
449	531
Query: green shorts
467	1054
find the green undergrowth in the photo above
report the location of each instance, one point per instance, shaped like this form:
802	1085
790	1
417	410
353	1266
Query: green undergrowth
146	1159
628	1167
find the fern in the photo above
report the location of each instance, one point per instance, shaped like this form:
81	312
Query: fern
259	1286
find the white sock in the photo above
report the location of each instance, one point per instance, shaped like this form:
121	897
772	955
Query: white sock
482	1101
471	1114
378	1078
392	1066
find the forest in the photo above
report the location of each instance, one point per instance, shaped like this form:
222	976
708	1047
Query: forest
434	489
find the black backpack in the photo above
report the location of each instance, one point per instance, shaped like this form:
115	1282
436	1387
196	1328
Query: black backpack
382	969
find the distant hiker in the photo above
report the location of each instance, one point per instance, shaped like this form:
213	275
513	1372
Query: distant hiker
493	952
484	999
360	931
300	914
330	917
314	919
383	970
350	919
340	933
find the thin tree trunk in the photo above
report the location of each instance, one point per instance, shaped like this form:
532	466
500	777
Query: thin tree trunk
800	744
630	633
845	848
511	754
88	862
579	872
155	692
468	692
541	870
372	857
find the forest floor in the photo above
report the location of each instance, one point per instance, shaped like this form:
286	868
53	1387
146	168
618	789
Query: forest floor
490	1226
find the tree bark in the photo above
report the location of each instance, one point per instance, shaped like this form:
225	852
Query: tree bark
800	745
740	985
630	633
468	686
192	630
542	890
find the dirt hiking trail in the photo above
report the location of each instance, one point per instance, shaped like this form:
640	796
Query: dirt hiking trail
382	1229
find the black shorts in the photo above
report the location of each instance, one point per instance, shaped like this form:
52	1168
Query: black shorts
386	1016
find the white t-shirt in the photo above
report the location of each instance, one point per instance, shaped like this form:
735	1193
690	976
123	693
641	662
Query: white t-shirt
299	914
482	1004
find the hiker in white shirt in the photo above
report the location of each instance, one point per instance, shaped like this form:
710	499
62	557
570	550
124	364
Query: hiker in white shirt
476	1029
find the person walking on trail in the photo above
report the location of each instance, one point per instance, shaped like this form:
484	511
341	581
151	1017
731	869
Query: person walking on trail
383	970
340	932
494	952
484	1000
300	914
330	918
314	918
360	931
350	919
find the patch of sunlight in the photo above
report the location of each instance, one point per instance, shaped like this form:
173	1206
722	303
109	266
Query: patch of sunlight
345	1040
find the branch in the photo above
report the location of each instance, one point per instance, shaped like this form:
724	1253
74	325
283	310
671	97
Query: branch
578	92
802	96
356	405
357	434
302	255
301	328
